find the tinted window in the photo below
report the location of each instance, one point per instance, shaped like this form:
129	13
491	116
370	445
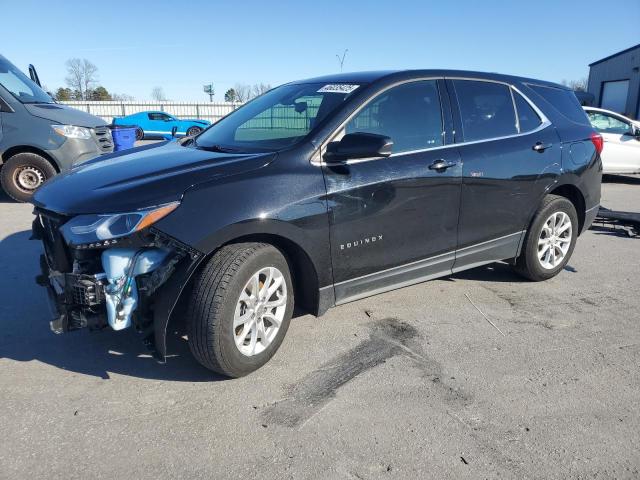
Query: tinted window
564	101
409	114
486	109
159	116
528	119
604	123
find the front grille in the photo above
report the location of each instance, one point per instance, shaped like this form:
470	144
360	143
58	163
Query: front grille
102	137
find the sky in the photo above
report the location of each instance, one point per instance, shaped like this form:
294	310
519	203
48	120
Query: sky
180	46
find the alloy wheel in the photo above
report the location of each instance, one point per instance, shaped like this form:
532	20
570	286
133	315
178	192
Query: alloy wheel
260	311
554	240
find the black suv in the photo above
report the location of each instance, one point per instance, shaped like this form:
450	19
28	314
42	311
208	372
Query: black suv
317	193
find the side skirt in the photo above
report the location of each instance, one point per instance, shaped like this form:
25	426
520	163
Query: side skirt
428	269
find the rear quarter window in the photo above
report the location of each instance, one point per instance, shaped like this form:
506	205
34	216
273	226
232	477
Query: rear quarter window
564	101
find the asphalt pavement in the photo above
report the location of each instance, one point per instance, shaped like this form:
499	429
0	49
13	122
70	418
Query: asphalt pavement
478	375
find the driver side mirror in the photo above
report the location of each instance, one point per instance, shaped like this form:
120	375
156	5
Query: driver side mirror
635	132
358	145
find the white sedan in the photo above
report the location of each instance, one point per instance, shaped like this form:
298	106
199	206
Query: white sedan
621	153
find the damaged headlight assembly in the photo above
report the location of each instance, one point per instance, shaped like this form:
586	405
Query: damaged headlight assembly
100	230
122	258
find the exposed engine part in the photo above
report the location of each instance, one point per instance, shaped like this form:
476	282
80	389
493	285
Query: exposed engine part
121	266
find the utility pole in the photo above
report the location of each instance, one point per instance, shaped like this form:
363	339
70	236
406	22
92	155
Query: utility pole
208	89
341	59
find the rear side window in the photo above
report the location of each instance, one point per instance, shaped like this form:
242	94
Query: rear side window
564	101
486	109
528	119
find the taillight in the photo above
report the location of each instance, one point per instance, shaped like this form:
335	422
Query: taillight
598	142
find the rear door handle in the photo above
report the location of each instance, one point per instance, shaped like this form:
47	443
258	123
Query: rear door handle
441	165
541	147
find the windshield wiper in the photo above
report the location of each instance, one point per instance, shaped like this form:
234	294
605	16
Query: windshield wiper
216	148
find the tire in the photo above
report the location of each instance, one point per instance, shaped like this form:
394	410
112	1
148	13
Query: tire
193	131
23	173
535	261
216	303
139	134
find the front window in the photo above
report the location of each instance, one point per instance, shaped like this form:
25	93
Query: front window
280	118
409	114
604	123
19	85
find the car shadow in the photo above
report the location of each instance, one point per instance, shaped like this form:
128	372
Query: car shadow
625	179
26	336
497	272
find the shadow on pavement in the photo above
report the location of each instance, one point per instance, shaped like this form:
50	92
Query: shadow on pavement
625	179
26	336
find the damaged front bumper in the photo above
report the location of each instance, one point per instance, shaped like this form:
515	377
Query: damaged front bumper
134	281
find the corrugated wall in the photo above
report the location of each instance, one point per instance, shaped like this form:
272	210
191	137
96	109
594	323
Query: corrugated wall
625	66
108	110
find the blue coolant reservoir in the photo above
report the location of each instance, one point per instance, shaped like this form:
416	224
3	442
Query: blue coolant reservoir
121	266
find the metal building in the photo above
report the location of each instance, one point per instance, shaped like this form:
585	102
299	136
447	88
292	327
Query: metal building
614	81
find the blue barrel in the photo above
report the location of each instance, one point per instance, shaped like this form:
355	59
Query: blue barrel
124	137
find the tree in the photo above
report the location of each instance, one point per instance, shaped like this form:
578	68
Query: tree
158	94
100	94
82	75
230	96
243	92
259	88
122	97
64	94
577	85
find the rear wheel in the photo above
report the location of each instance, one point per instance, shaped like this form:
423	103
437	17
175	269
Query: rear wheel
193	131
550	240
139	133
240	308
23	173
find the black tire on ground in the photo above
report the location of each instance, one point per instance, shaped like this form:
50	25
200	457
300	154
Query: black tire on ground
139	133
193	131
23	173
216	292
528	264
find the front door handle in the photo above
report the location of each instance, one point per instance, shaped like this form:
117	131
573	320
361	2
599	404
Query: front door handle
541	147
441	165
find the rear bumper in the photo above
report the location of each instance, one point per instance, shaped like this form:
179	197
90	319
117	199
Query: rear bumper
589	217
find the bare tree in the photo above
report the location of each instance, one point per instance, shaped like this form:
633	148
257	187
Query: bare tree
259	88
577	85
243	92
341	58
82	76
122	97
158	94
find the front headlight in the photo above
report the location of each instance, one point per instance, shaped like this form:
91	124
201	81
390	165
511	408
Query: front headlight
71	131
100	230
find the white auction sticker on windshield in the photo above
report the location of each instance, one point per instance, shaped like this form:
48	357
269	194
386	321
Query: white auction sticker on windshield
338	88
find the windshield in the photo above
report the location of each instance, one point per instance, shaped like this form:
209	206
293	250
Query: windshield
19	85
278	119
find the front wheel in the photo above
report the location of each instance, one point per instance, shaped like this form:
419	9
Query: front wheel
240	308
550	240
193	131
23	173
139	134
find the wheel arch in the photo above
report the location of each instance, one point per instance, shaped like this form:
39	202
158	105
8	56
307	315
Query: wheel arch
575	196
10	152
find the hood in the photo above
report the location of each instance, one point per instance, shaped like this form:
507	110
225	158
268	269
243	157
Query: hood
63	115
140	178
